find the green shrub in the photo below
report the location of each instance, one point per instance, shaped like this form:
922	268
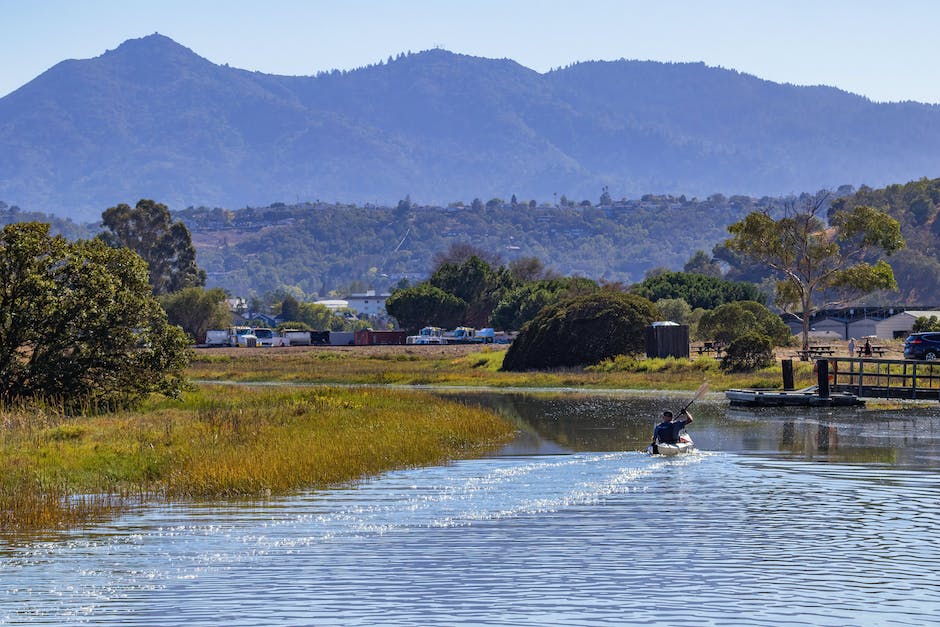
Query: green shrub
583	330
747	352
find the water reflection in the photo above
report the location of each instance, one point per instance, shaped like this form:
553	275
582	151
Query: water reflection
568	525
558	423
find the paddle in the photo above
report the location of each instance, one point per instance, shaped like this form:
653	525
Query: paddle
699	393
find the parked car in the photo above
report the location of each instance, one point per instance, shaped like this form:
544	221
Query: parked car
922	346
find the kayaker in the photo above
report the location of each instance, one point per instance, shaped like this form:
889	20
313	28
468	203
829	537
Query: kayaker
667	431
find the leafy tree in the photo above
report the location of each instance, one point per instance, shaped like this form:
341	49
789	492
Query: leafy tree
461	252
730	321
926	323
166	246
674	309
290	308
318	317
523	303
701	263
476	283
810	259
78	323
425	305
697	290
525	269
583	330
197	310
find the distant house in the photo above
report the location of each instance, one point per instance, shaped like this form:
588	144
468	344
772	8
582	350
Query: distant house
369	304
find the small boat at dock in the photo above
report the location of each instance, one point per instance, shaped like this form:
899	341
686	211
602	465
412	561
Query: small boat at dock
806	397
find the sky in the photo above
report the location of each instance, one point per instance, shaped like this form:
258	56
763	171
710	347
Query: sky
886	51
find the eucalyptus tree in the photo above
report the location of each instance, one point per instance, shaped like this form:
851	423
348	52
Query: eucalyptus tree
167	246
810	258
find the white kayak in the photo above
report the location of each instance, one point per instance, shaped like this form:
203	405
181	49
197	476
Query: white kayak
683	446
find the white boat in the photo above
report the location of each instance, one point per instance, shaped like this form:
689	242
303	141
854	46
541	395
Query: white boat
682	447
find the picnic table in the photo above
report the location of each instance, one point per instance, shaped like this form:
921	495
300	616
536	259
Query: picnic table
710	347
815	351
875	350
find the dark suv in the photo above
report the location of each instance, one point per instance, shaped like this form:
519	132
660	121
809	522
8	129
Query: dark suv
922	346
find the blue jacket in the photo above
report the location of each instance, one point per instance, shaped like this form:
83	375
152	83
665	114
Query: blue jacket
668	432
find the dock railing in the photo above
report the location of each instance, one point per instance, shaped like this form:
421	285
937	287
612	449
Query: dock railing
885	378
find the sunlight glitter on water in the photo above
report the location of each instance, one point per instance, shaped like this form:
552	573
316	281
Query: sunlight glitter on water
579	539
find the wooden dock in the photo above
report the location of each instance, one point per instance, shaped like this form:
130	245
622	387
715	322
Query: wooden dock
867	377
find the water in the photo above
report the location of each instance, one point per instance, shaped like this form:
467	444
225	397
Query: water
795	517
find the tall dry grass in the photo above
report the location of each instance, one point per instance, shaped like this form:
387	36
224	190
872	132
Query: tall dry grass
58	471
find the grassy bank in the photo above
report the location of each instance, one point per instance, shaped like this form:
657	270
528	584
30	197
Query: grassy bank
423	365
222	442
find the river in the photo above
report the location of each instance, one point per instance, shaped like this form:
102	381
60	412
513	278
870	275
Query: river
786	517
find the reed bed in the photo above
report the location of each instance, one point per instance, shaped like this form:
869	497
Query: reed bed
58	471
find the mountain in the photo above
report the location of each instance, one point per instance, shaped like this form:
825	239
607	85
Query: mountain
152	119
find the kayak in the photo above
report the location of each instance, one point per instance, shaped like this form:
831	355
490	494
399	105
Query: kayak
685	445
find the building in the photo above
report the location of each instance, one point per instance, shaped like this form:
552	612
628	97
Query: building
882	322
368	304
333	304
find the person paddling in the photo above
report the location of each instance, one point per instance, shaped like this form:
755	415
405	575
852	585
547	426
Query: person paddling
667	431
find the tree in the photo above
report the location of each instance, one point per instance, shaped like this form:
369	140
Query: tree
701	263
524	269
460	252
583	330
730	321
926	323
78	323
290	308
524	302
149	230
674	309
476	283
810	259
317	316
425	305
697	290
197	310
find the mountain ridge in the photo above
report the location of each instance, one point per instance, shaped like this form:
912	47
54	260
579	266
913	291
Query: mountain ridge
151	118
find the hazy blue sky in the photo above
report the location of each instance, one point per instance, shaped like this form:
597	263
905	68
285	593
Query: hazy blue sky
884	50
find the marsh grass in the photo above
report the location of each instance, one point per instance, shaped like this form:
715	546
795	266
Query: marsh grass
60	471
428	366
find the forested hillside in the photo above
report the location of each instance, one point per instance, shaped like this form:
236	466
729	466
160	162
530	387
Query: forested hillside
152	119
916	205
320	248
314	249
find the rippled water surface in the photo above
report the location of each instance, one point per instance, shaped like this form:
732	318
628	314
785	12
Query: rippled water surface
787	518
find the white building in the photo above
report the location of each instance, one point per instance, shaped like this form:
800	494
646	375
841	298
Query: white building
333	304
369	304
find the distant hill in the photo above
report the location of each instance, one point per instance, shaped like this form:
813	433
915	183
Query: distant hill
152	119
317	248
